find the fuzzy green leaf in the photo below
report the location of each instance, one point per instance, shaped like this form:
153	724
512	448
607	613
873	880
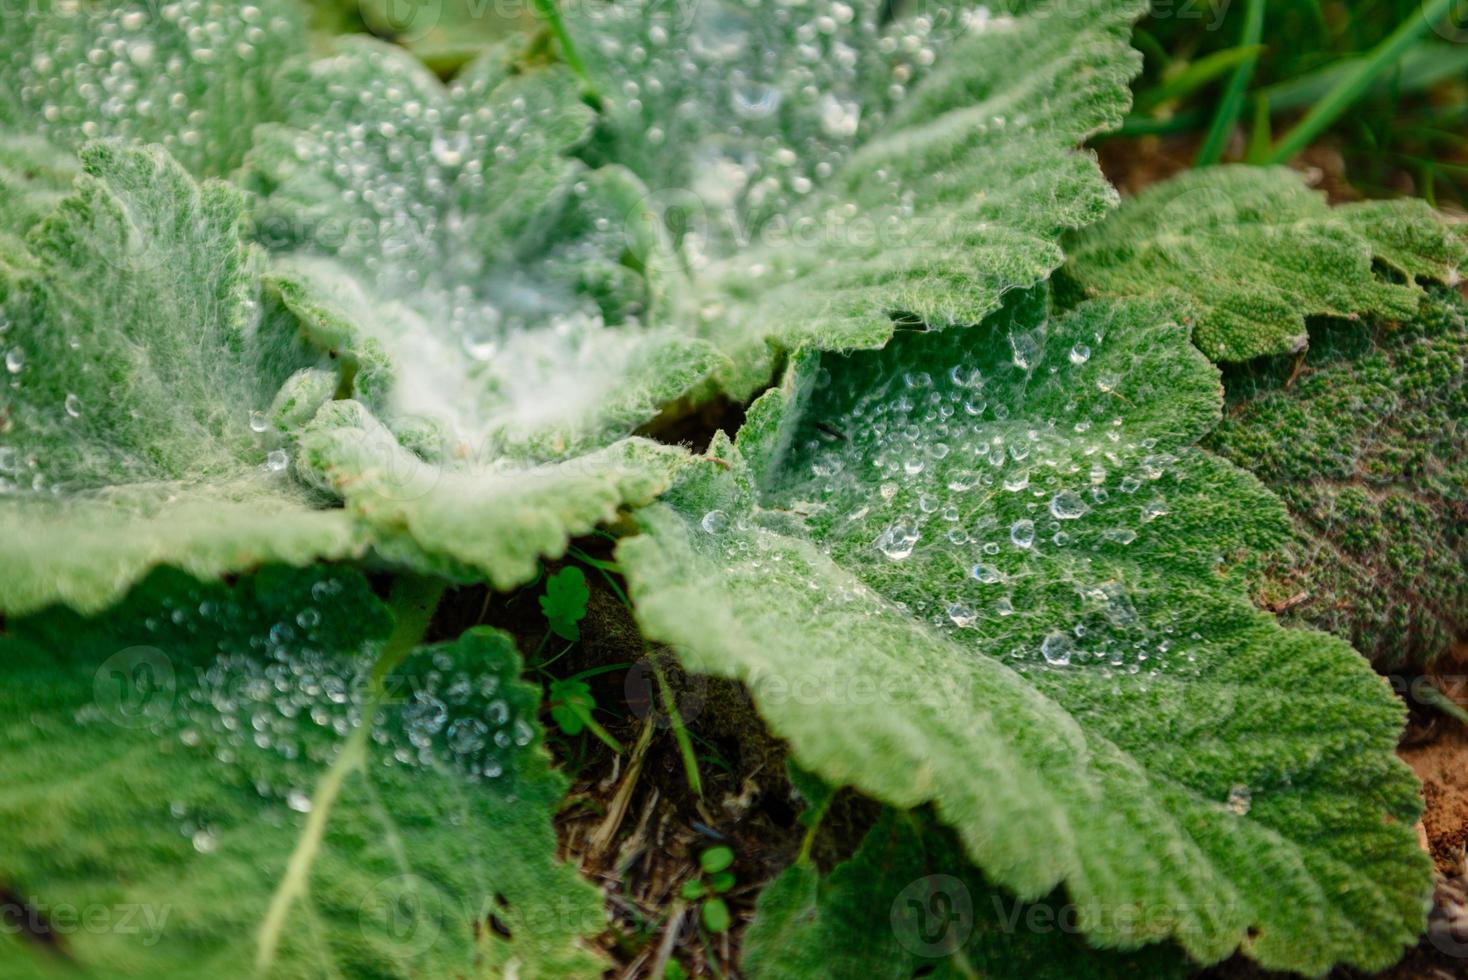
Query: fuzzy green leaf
1005	540
1258	252
140	370
475	519
907	900
571	704
449	229
1364	441
829	170
194	76
564	602
175	753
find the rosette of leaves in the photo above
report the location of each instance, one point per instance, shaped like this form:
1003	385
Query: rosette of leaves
990	570
505	306
1350	407
488	294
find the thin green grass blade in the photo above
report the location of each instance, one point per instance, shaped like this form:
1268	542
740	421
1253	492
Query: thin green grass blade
1350	88
1233	96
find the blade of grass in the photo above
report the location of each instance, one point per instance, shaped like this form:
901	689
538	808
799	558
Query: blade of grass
1232	103
1355	84
1263	134
552	17
680	732
1195	76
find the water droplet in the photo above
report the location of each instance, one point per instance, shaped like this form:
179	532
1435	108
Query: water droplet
1057	647
1121	535
1022	533
838	117
962	616
298	801
307	618
15	360
1080	354
73	405
466	736
1239	800
987	574
714	522
1154	510
1067	506
204	842
276	460
499	712
257	422
898	541
1026	350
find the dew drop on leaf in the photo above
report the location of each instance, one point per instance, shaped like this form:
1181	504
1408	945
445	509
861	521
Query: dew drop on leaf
1056	648
1067	506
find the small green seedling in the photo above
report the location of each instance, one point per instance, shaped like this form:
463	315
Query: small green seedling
714	881
571	705
564	602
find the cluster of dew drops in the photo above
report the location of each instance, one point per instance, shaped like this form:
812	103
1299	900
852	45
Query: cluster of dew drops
770	96
929	475
280	705
134	70
415	167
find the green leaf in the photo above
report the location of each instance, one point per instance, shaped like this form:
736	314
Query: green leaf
722	882
564	602
1364	441
1257	252
473	520
908	900
571	704
829	170
194	76
692	890
715	915
34	177
178	755
141	367
1359	433
990	570
716	859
